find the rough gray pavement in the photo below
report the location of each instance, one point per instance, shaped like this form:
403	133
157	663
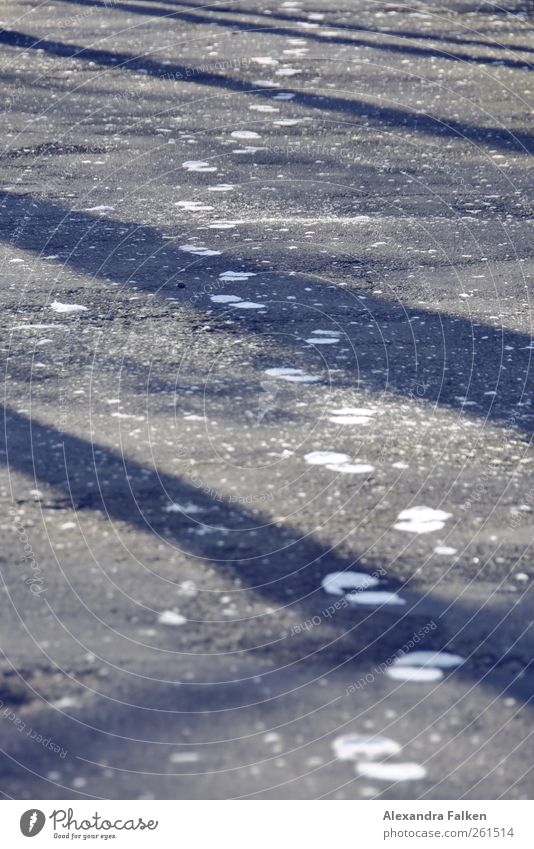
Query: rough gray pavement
356	178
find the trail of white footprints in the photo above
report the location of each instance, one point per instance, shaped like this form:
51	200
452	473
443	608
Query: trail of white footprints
374	757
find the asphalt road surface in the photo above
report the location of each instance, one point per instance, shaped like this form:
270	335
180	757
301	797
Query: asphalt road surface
266	285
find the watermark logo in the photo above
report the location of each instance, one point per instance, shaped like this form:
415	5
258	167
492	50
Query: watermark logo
32	822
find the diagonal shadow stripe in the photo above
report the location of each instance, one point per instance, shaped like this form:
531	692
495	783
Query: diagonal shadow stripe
521	141
91	476
446	360
276	29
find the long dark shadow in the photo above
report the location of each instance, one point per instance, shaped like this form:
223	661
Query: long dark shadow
521	141
404	48
478	369
340	25
271	560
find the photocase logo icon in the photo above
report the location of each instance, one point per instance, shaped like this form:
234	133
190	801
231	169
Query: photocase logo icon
32	822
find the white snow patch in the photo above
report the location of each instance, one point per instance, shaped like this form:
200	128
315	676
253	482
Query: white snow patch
351	468
221	187
189	508
324	458
421	520
352	747
224	299
287	72
323	340
263	107
337	583
99	209
349	419
198	251
337	462
376	598
264	60
441	659
249	305
284	95
57	306
236	275
170	617
198	165
415	674
184	758
445	550
292	375
408	771
194	205
57	326
245	134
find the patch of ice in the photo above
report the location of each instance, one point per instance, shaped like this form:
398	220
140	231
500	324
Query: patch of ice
99	209
337	583
221	187
245	134
287	72
198	251
392	771
352	747
284	95
286	122
198	165
236	275
170	617
194	205
249	305
224	299
376	598
57	306
421	520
